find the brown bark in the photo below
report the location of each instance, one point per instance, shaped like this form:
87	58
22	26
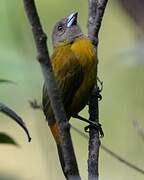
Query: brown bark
71	168
95	15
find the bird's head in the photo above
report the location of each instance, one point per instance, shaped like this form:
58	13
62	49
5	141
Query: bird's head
66	30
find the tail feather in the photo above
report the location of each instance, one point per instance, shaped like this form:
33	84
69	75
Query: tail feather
55	132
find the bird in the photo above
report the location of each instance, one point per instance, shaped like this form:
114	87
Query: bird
74	63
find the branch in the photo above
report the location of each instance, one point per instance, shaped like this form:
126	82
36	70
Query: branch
71	168
95	14
113	154
94	141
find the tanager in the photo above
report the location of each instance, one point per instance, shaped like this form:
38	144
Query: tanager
74	62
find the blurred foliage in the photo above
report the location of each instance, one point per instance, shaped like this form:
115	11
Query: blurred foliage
6	139
123	97
5	81
135	9
9	176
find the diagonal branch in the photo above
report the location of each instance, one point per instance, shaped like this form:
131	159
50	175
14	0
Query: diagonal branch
71	168
113	154
95	14
139	129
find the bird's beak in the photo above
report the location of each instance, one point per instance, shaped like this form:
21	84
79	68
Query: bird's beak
72	19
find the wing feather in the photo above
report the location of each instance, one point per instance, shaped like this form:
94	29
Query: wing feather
69	76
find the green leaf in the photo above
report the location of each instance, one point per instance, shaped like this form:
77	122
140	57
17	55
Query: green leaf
6	139
9	112
6	81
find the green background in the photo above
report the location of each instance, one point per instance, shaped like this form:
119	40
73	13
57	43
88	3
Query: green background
123	94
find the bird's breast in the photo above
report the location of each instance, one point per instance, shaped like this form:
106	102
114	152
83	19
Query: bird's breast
85	52
86	55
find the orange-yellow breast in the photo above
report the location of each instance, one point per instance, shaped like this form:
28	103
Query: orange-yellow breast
85	53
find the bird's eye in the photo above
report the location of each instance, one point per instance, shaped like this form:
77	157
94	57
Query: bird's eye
60	27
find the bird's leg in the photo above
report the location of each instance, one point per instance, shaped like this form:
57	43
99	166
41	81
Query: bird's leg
92	124
99	90
93	106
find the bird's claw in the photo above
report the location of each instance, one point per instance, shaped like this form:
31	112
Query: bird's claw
99	96
100	83
99	89
96	126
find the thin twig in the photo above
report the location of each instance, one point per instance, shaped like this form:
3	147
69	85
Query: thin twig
139	129
35	105
96	10
113	154
40	37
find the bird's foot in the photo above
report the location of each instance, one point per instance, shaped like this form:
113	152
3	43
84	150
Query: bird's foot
95	126
92	125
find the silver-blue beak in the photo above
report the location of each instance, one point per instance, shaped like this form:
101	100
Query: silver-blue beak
72	19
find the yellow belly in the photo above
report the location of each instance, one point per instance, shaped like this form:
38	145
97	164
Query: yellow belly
86	54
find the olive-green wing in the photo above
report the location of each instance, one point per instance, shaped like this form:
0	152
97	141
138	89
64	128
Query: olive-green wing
69	77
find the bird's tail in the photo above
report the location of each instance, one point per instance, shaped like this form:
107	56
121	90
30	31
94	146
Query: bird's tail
55	132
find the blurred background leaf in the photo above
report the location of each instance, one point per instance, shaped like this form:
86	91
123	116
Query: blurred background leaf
6	139
9	176
134	9
5	81
15	117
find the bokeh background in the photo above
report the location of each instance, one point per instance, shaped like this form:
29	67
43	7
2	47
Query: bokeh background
121	68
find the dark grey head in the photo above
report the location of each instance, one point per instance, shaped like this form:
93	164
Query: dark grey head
66	30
